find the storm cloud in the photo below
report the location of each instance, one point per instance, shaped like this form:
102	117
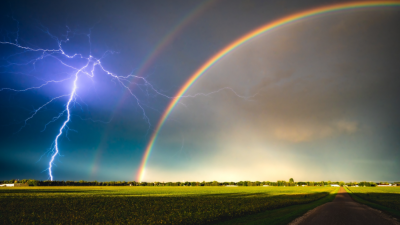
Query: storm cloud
324	100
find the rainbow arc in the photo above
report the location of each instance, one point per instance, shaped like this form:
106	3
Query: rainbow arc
267	27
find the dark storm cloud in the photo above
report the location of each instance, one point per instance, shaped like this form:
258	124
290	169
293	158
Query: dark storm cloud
326	92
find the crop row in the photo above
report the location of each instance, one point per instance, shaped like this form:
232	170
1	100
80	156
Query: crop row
24	208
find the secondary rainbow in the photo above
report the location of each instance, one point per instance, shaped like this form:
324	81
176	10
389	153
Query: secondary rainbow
238	42
150	58
172	34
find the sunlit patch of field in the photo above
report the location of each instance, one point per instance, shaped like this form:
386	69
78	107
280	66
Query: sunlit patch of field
146	205
386	196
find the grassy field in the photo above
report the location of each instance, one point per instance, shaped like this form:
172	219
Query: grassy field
281	216
388	197
146	205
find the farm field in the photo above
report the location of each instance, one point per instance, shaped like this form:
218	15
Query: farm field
146	205
385	196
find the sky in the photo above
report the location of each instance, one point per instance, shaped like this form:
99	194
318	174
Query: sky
315	99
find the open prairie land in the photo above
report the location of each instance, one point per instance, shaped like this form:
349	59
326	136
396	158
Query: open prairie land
146	205
385	196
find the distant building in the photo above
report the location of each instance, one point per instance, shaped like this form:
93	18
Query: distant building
335	185
14	185
265	185
384	185
230	185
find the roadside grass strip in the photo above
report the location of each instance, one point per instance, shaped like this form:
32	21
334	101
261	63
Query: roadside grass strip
386	199
281	216
146	205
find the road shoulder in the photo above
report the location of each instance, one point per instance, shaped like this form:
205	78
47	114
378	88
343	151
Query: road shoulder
344	210
391	212
280	216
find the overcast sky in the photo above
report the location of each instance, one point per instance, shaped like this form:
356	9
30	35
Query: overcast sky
316	99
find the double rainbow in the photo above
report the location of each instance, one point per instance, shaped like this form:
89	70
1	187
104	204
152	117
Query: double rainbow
150	58
238	42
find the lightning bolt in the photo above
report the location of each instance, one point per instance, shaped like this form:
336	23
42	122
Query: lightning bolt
71	97
88	69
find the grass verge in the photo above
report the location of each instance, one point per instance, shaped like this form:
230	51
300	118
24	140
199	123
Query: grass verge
280	216
385	209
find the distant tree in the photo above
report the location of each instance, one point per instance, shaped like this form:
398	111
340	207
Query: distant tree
266	183
363	184
33	183
291	182
281	183
23	181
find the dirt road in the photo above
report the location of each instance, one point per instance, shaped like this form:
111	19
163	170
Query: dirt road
344	210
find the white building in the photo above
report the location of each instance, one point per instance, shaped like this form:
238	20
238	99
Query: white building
335	185
6	185
384	185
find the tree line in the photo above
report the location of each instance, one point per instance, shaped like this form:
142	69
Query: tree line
291	182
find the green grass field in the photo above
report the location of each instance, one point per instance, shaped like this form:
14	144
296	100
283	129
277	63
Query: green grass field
388	197
146	205
280	216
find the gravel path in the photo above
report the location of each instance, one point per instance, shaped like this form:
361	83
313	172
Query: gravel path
344	210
